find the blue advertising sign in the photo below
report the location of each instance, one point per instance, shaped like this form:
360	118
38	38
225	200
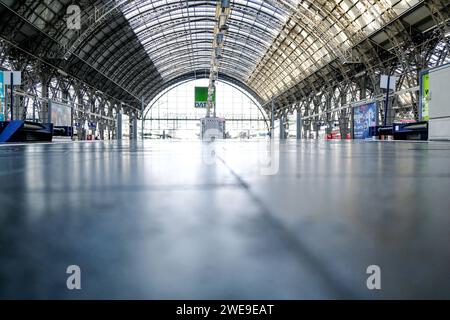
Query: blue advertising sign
364	117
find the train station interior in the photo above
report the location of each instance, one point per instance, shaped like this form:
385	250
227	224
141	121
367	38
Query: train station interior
225	149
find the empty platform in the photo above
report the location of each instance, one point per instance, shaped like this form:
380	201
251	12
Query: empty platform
191	220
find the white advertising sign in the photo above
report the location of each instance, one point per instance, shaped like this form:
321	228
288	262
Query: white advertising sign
384	82
17	77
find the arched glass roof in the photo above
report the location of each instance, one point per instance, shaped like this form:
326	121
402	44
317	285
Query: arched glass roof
140	46
270	45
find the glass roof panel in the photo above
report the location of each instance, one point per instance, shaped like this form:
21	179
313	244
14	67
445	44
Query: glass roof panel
270	45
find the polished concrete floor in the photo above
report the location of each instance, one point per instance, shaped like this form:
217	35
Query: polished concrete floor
231	220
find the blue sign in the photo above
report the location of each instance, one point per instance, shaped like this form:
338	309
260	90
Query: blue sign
364	117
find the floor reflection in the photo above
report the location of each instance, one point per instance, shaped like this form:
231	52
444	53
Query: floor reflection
166	220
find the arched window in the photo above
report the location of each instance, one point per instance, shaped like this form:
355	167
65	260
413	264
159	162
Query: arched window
173	114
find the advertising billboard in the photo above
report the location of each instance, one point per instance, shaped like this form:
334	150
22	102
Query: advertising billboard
61	115
364	117
425	96
201	97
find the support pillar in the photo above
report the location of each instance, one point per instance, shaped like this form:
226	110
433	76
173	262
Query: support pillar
316	124
343	118
329	121
80	118
362	96
119	126
307	124
282	128
390	115
101	129
133	128
316	128
43	112
272	120
363	88
19	109
110	124
299	124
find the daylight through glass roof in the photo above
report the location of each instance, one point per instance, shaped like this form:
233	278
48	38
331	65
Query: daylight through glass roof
270	45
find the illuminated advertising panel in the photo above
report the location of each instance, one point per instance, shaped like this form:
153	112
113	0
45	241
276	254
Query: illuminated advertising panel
364	117
425	96
61	115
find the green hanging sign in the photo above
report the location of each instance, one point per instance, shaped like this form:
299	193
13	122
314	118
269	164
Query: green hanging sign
201	97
